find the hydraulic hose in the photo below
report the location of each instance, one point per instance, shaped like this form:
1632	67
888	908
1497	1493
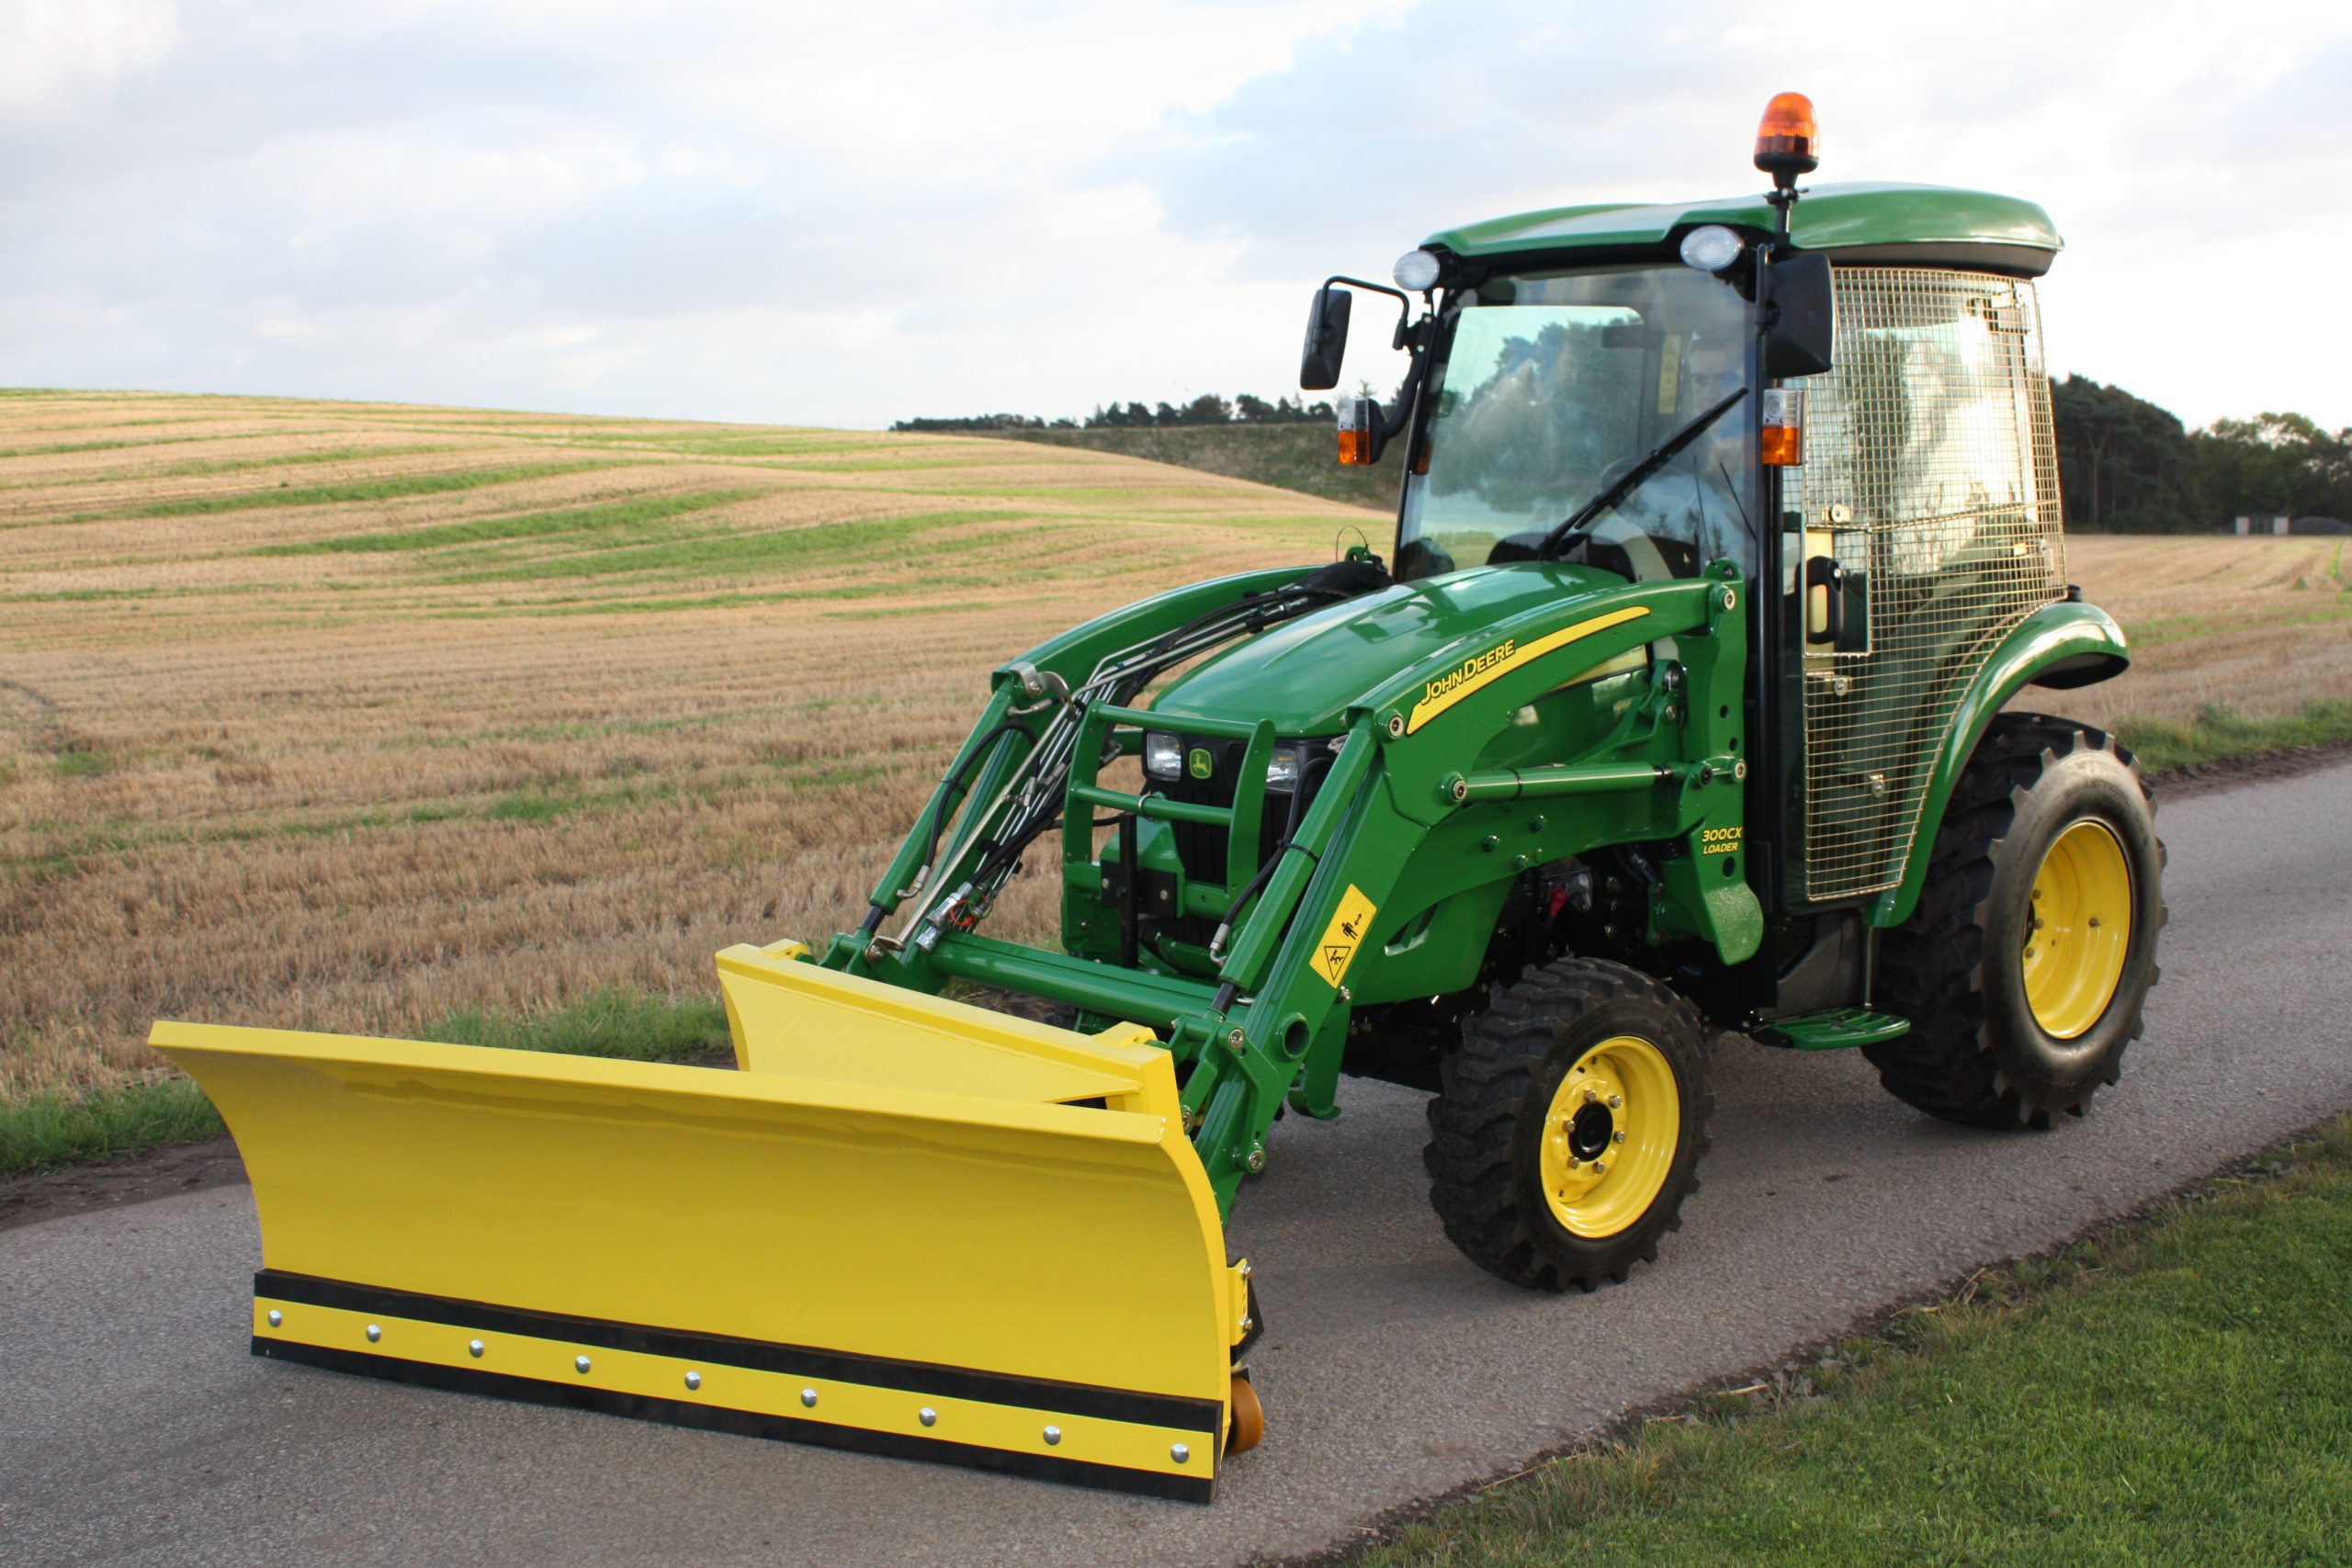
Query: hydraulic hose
1250	889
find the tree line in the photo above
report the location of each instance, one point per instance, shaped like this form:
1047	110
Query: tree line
1207	409
2125	465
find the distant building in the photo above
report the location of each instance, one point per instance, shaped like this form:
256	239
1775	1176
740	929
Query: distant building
2276	524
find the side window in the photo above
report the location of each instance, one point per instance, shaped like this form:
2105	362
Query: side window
1927	509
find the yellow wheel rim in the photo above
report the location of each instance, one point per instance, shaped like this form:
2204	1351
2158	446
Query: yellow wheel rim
2079	931
1610	1136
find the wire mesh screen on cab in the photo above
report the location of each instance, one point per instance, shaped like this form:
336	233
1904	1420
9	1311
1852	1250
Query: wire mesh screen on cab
1931	476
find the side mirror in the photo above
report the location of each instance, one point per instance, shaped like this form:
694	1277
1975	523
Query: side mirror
1327	338
1801	326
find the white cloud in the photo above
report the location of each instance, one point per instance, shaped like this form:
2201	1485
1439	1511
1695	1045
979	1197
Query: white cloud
58	56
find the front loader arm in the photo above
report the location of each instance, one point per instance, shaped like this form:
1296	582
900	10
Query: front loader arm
1313	941
1027	698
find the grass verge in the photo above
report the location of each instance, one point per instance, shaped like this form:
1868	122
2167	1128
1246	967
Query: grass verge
2218	733
51	1130
2172	1390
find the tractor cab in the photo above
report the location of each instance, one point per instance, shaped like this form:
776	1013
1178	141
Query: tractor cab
1835	394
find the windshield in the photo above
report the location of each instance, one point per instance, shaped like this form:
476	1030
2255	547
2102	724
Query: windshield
1551	389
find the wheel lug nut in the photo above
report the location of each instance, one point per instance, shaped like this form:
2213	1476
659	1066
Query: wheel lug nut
1591	1096
1599	1168
1616	1102
1616	1137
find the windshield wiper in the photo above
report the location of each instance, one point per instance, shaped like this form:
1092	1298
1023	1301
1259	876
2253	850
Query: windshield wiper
1657	457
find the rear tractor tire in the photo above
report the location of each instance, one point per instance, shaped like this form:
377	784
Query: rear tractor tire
1568	1126
2025	967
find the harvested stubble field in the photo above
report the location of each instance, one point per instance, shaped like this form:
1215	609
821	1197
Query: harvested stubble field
351	717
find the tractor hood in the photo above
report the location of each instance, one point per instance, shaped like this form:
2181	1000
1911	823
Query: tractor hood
1305	674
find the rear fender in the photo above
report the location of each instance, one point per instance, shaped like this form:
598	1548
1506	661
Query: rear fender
2067	643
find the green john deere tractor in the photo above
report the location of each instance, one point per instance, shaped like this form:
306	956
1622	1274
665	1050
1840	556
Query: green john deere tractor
1727	533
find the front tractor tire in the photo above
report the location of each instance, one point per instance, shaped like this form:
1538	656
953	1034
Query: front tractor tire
1568	1126
2024	968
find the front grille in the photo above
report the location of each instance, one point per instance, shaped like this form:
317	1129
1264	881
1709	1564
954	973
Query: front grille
1931	462
1201	849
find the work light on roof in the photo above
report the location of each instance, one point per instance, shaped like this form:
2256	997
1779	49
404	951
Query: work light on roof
1414	271
1711	247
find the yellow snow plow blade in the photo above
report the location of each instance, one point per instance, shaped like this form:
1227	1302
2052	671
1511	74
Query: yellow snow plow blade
910	1226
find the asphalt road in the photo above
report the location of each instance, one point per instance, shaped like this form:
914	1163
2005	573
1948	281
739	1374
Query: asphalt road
134	1427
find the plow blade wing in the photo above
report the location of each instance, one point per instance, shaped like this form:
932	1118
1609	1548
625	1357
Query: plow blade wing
911	1227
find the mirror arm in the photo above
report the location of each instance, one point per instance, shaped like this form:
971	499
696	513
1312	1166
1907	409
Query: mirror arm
1407	392
1403	303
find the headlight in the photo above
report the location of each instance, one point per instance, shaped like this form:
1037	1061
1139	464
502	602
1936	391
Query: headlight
1282	766
1163	756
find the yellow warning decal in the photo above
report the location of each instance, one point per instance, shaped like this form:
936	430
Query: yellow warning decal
1351	923
1483	669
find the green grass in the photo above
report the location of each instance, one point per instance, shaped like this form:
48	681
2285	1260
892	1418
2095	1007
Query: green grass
611	1023
394	487
795	548
2174	1392
537	804
603	524
118	444
2218	732
747	443
545	803
248	465
51	1131
2189	629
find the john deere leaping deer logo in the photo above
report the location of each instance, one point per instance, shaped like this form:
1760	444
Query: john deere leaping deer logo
1200	764
1345	932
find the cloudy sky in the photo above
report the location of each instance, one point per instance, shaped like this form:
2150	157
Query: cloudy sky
846	214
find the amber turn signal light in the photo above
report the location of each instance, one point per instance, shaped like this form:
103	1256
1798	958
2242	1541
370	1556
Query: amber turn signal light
1780	441
1358	418
1788	144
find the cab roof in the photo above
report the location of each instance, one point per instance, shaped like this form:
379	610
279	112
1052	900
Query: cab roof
1927	224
